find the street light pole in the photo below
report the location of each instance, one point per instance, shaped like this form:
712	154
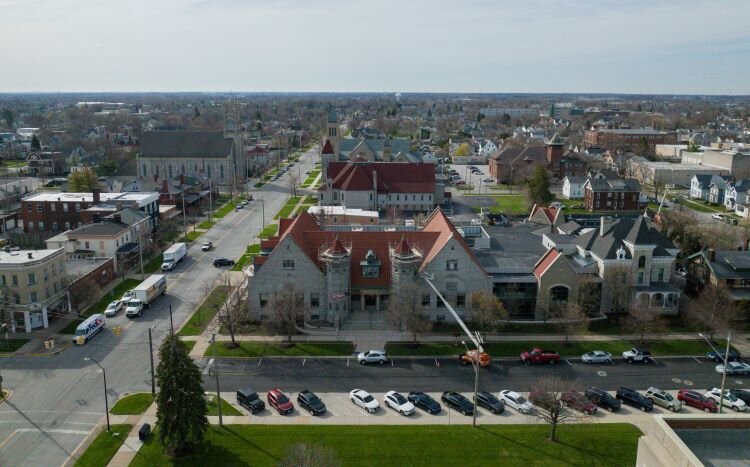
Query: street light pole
151	357
724	373
171	323
106	400
216	377
184	217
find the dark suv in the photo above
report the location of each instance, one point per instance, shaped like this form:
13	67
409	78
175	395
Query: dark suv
249	399
603	399
310	402
490	402
696	399
635	399
458	401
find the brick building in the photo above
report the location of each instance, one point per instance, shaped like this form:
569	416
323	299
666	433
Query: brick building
621	194
512	165
635	140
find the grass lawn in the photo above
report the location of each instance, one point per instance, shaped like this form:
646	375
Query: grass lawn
11	345
287	209
191	236
154	265
226	408
226	209
569	349
104	447
259	185
269	231
403	445
252	250
101	305
205	225
700	207
513	204
189	345
204	314
261	349
133	404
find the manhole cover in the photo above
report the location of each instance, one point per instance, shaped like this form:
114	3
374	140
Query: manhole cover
688	382
601	373
676	380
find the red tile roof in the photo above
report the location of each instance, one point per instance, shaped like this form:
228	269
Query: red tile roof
327	148
392	177
550	213
545	262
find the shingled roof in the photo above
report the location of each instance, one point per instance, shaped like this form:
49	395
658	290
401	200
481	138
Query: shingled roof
392	177
185	144
634	231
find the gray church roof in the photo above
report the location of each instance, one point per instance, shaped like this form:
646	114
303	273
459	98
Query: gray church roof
398	145
185	144
635	231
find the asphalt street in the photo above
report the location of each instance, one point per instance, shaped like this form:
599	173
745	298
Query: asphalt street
442	374
56	401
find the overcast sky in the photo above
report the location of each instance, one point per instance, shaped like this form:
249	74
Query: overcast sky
629	46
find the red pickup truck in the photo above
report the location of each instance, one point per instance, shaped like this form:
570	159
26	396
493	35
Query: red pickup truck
540	356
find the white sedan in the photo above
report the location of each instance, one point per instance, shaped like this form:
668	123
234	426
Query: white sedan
516	401
398	403
113	308
364	399
372	356
734	368
729	400
597	356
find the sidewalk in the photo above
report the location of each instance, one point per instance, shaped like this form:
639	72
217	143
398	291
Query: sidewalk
132	444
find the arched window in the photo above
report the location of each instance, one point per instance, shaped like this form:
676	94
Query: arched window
642	262
558	295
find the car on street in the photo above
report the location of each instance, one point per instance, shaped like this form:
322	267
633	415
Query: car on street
113	308
734	368
424	402
603	399
249	399
742	394
695	399
577	401
364	399
729	400
207	246
398	403
597	356
636	355
515	401
634	398
537	355
310	402
279	401
556	205
487	400
240	206
372	356
734	356
220	262
489	180
458	402
134	308
663	399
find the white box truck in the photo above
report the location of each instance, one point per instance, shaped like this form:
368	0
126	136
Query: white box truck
173	255
145	293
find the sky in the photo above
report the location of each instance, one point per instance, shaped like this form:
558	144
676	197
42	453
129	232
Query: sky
576	46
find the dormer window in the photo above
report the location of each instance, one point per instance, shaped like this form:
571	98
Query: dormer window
621	253
370	265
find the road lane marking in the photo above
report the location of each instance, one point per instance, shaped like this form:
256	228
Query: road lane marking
676	380
437	363
347	363
303	361
259	360
688	382
698	360
568	362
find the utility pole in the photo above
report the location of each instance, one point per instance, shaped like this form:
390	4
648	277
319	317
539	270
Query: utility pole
140	248
184	217
171	323
216	377
151	357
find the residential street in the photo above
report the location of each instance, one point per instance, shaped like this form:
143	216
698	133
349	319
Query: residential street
56	401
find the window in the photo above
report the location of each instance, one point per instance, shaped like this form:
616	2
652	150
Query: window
54	226
15	280
67	224
41	226
46	275
287	264
78	207
87	245
661	275
451	265
31	226
101	244
642	262
263	299
558	295
439	303
65	208
426	299
640	277
461	300
33	297
39	207
32	278
52	207
314	300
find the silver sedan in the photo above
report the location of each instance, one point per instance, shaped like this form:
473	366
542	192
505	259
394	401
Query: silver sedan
597	356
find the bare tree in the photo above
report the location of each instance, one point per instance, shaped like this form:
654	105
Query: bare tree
231	308
487	310
713	308
306	455
405	309
644	320
546	396
571	319
293	184
618	288
287	309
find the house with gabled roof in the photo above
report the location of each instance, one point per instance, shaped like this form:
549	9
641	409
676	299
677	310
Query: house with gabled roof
612	194
736	197
546	215
727	269
700	185
352	272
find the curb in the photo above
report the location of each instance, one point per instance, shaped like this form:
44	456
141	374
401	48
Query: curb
37	355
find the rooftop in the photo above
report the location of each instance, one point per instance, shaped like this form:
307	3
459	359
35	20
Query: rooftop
141	198
21	257
513	251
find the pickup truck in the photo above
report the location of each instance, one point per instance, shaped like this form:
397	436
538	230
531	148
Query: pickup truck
471	357
637	355
540	356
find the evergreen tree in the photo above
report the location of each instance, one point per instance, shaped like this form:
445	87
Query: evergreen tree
35	143
181	406
538	187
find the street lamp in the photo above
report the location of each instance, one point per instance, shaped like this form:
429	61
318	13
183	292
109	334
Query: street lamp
151	357
106	400
475	364
724	373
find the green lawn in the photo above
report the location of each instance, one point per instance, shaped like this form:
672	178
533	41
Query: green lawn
287	209
154	265
189	345
259	185
510	204
699	206
101	305
205	225
311	178
11	345
299	349
569	349
403	445
269	231
226	209
191	236
104	447
133	404
252	251
204	314
226	408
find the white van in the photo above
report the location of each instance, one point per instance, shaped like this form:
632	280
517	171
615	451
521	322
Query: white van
89	327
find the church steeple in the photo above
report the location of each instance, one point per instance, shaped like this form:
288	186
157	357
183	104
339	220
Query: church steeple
333	130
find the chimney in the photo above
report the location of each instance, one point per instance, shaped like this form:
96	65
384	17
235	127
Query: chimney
712	255
164	186
604	225
31	256
96	192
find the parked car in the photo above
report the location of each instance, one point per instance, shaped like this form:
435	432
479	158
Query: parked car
398	403
470	356
637	355
364	399
734	356
240	206
310	402
634	398
741	394
717	217
597	356
540	356
249	399
489	180
219	262
113	308
729	400
372	356
424	402
663	399
457	401
207	246
697	400
490	402
127	296
734	368
516	401
279	401
576	400
603	399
